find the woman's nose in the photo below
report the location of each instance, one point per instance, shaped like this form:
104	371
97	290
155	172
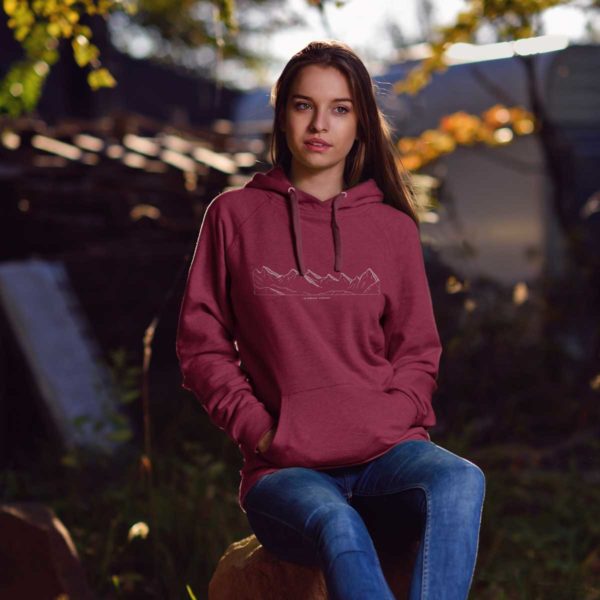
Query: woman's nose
319	122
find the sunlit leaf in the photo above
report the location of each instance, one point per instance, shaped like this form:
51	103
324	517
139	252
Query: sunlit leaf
83	51
101	78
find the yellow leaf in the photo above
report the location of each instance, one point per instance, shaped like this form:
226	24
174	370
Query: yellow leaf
50	6
10	6
83	30
72	16
131	8
101	78
84	52
53	29
21	33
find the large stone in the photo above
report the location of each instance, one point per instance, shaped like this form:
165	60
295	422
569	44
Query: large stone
247	571
38	560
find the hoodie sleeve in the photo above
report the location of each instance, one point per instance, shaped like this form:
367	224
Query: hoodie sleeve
205	343
413	345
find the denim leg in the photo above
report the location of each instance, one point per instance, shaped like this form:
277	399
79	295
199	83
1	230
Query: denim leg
302	515
443	490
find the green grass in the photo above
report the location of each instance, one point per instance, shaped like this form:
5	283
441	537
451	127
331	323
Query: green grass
540	536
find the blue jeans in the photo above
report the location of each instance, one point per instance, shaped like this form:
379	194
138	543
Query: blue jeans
327	518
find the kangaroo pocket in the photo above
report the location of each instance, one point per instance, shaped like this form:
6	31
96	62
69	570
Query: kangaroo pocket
338	425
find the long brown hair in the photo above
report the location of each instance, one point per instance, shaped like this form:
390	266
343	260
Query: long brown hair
373	154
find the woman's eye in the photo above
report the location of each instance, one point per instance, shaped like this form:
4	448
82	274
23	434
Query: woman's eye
300	105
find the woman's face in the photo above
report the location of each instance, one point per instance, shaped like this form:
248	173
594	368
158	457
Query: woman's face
319	106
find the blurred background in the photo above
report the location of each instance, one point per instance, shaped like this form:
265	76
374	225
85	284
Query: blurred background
120	120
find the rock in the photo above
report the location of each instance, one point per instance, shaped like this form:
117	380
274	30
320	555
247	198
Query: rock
38	559
247	571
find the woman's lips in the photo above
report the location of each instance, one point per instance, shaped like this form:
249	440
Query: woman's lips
316	147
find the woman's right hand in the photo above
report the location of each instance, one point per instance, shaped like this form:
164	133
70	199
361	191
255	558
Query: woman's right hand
265	441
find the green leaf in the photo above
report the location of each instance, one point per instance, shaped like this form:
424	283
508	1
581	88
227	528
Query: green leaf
120	435
130	396
81	420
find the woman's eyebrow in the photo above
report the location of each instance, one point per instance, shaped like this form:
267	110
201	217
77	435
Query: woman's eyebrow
334	100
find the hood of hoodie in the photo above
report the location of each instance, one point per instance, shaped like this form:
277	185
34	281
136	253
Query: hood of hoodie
277	183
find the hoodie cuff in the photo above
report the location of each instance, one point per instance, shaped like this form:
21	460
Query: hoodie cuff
255	448
257	425
410	405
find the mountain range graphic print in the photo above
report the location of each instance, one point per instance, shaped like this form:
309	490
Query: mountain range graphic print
270	283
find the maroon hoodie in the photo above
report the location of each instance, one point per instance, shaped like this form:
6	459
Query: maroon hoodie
314	317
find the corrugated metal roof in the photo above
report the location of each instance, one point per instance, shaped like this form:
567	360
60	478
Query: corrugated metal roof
572	86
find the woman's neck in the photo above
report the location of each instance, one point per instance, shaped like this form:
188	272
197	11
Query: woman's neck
323	185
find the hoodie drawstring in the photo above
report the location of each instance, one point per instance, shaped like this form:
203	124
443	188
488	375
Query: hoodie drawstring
296	227
337	237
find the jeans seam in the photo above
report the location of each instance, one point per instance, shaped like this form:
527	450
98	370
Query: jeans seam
477	540
425	574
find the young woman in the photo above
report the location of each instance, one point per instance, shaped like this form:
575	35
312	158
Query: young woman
313	275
